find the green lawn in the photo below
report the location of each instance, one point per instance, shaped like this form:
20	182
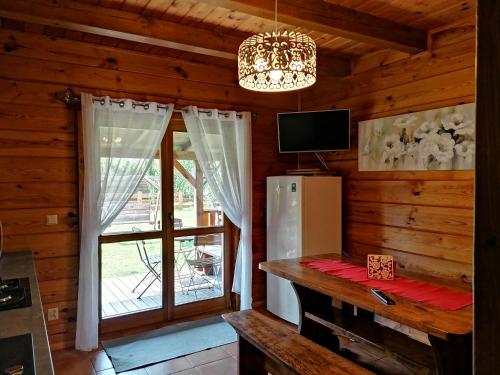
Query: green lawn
122	258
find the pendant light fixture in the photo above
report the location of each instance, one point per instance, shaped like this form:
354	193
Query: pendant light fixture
277	61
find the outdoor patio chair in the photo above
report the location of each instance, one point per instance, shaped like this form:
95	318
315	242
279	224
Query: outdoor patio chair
181	254
151	262
205	272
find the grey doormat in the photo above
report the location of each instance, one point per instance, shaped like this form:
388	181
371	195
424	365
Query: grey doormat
162	344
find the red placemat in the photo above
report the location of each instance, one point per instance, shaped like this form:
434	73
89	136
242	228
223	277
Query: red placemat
415	290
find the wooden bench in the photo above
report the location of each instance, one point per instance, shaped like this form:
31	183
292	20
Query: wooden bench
266	345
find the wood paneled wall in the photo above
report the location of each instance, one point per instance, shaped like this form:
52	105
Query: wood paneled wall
38	144
425	219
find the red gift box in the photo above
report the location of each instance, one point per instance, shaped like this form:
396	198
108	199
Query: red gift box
380	267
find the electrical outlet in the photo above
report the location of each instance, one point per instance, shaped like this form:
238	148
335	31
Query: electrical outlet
51	219
52	314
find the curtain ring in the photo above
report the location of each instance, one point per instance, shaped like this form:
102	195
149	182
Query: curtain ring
146	106
122	104
103	101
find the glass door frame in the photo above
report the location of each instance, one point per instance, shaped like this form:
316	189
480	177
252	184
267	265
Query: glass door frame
204	306
167	234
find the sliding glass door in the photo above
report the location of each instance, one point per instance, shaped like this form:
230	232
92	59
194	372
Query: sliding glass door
198	229
131	251
166	254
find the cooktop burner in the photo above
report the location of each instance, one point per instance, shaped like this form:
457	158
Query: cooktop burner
9	284
14	293
5	297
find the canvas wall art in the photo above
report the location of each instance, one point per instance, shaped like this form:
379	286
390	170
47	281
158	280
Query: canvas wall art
437	139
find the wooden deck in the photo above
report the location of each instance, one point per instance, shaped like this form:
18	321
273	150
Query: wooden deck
118	298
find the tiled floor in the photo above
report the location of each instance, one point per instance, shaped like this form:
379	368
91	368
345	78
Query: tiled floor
216	361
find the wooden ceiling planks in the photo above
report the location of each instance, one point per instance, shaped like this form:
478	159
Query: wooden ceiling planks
421	14
207	15
114	4
155	8
336	20
129	26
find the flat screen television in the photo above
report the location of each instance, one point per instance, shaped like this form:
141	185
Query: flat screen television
314	131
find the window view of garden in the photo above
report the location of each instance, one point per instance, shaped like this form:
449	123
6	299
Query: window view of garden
143	210
131	271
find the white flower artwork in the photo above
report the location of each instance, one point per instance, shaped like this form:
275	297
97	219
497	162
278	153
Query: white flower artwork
438	139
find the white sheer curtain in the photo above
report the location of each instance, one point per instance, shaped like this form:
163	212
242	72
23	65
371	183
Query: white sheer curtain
222	144
120	140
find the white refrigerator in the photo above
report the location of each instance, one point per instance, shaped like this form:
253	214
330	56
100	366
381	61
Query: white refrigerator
304	217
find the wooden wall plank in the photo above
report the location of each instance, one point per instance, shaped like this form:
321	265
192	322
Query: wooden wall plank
33	220
57	268
349	169
39	169
446	36
20	68
20	92
412	69
456	84
417	107
37	118
428	64
376	59
419	192
37	195
434	245
46	48
58	290
455	271
44	245
43	144
426	218
42	93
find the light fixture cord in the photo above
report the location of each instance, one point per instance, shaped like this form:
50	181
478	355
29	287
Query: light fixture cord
276	19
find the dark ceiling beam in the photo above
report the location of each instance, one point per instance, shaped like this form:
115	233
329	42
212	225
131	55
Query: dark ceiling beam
133	27
334	19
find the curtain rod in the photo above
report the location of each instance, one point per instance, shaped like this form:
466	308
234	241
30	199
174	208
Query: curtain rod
73	100
121	103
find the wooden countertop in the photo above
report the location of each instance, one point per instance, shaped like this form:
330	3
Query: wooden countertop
429	319
27	319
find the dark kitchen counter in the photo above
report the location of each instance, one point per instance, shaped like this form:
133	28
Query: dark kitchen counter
27	319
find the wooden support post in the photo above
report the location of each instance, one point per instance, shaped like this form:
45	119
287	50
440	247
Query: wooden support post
454	355
319	305
487	194
251	361
199	195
